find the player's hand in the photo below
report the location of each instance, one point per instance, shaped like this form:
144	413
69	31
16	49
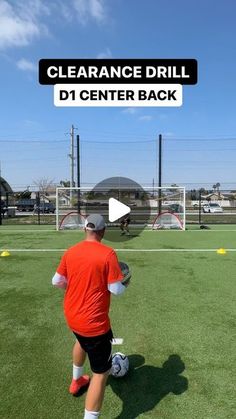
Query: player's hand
126	282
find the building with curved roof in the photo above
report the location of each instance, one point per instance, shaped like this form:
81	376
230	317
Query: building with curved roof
5	187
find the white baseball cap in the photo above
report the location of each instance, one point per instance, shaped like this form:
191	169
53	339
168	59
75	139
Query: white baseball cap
96	220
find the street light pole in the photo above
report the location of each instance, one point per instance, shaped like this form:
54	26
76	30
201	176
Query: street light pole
71	155
78	172
1	206
160	175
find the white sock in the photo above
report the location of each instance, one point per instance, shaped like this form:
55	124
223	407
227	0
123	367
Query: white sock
91	415
77	372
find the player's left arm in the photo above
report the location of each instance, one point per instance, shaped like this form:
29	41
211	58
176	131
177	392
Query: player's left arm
59	280
114	275
116	288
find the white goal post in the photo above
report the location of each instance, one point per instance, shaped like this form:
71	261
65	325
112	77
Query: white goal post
157	208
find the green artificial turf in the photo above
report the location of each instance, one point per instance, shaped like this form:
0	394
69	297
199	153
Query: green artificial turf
177	319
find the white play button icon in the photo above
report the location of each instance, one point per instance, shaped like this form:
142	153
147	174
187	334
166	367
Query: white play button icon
117	209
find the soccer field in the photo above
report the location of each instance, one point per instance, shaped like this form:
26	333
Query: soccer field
177	319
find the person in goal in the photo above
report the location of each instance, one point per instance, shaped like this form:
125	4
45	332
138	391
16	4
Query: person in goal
124	225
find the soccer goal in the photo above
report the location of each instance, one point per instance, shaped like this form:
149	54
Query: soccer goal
168	208
154	208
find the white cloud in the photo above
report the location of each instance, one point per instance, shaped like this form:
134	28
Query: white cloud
145	118
90	9
97	9
30	124
67	13
33	8
105	54
19	24
23	21
26	65
168	134
130	111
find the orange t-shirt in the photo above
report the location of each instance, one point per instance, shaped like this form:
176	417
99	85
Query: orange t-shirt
89	267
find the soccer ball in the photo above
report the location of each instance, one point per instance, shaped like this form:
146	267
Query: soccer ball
126	272
120	365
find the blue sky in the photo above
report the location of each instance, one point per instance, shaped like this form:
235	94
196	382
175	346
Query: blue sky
199	137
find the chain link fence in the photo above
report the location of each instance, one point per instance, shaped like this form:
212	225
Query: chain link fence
203	206
27	208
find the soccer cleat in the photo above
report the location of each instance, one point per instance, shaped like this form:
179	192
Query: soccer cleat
76	385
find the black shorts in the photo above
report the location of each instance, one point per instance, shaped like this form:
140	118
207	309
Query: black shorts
99	350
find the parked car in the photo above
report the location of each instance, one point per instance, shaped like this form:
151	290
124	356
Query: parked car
46	208
212	207
25	204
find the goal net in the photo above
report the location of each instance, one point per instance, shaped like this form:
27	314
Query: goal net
72	221
167	220
154	208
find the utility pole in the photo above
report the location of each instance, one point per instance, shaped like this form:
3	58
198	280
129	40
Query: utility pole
200	207
78	173
160	175
1	207
71	155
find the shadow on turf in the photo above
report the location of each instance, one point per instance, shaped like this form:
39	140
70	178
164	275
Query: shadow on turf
115	236
145	386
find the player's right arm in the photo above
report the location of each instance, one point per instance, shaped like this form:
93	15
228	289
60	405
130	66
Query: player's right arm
59	281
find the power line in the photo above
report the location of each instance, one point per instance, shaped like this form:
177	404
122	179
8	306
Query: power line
199	139
34	141
123	141
37	132
83	141
116	142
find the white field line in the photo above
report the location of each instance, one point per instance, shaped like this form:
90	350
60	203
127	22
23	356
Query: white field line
173	250
4	230
117	341
120	250
110	230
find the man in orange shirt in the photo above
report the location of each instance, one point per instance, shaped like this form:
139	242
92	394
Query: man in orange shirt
90	272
